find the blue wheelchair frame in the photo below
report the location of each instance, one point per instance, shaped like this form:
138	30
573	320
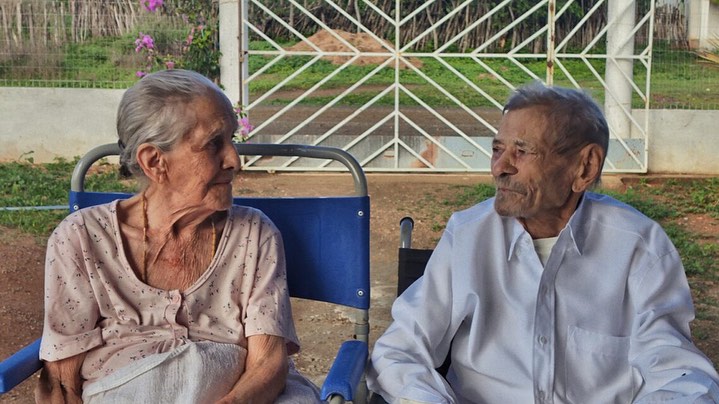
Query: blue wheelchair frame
327	254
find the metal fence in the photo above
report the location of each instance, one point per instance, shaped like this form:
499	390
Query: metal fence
90	43
431	96
403	85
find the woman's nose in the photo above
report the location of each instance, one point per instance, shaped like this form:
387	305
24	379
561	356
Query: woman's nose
231	160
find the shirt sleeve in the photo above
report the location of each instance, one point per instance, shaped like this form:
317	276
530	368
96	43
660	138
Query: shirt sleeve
418	340
671	366
71	312
269	311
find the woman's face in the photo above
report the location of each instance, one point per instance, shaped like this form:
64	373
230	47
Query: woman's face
200	168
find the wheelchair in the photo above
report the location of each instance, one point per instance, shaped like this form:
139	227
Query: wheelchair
327	253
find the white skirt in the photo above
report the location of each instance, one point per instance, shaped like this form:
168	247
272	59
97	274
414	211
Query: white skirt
201	372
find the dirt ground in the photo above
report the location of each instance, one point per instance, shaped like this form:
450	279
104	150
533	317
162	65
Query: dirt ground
320	328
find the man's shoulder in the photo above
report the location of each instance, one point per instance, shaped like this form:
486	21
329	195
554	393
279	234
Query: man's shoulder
474	214
616	214
605	204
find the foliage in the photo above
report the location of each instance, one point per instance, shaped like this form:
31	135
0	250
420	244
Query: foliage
199	50
244	126
23	184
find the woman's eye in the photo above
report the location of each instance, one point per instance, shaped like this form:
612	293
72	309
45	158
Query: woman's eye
215	143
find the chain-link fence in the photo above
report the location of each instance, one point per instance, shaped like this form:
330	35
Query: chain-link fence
99	44
79	43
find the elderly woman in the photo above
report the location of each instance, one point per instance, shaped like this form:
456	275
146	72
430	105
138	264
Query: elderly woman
173	295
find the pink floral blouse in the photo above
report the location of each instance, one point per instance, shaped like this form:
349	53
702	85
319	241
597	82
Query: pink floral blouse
94	303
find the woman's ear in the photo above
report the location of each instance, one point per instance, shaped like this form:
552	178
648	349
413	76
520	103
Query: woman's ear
152	162
590	167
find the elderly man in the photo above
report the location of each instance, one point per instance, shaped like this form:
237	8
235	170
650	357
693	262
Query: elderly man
547	293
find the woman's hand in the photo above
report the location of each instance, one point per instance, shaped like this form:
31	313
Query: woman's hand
60	381
265	373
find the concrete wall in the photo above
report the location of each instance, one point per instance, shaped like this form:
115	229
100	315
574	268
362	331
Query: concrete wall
702	18
683	141
45	123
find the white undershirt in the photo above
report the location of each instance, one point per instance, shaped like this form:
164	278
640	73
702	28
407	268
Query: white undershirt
543	246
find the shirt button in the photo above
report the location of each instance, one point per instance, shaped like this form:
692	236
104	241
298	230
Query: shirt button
176	299
542	340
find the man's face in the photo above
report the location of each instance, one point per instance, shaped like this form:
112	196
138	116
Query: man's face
532	181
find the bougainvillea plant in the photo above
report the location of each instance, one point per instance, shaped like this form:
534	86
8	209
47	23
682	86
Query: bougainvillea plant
243	132
199	51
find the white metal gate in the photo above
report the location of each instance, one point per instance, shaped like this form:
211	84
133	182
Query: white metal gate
431	101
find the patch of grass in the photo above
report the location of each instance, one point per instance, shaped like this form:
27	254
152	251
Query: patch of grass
698	258
644	204
698	195
670	66
449	85
464	197
23	184
670	200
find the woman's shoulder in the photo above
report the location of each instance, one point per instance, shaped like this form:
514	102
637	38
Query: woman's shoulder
243	215
97	222
97	214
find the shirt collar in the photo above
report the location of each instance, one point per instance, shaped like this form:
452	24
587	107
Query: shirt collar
513	231
575	228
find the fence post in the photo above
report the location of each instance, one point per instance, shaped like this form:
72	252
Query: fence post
619	73
230	46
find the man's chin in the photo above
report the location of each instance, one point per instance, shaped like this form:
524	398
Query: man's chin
505	209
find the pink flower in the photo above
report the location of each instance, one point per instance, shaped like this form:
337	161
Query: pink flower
151	5
245	126
144	41
170	65
190	37
140	74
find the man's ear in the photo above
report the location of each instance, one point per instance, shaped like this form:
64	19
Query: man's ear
152	162
591	158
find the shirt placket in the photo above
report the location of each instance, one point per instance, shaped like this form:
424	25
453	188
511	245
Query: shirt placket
544	333
174	301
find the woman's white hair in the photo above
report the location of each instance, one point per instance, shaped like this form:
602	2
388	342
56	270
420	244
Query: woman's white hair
154	111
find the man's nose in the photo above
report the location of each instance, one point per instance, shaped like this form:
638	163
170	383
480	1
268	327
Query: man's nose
503	164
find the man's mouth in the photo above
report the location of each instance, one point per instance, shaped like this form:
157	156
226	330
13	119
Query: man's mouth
506	189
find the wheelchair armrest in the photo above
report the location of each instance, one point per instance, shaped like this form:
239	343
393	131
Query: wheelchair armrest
21	365
346	371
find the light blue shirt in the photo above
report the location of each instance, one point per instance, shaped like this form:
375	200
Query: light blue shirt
606	320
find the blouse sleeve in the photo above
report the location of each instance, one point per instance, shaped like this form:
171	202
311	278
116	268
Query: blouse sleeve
71	312
269	311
